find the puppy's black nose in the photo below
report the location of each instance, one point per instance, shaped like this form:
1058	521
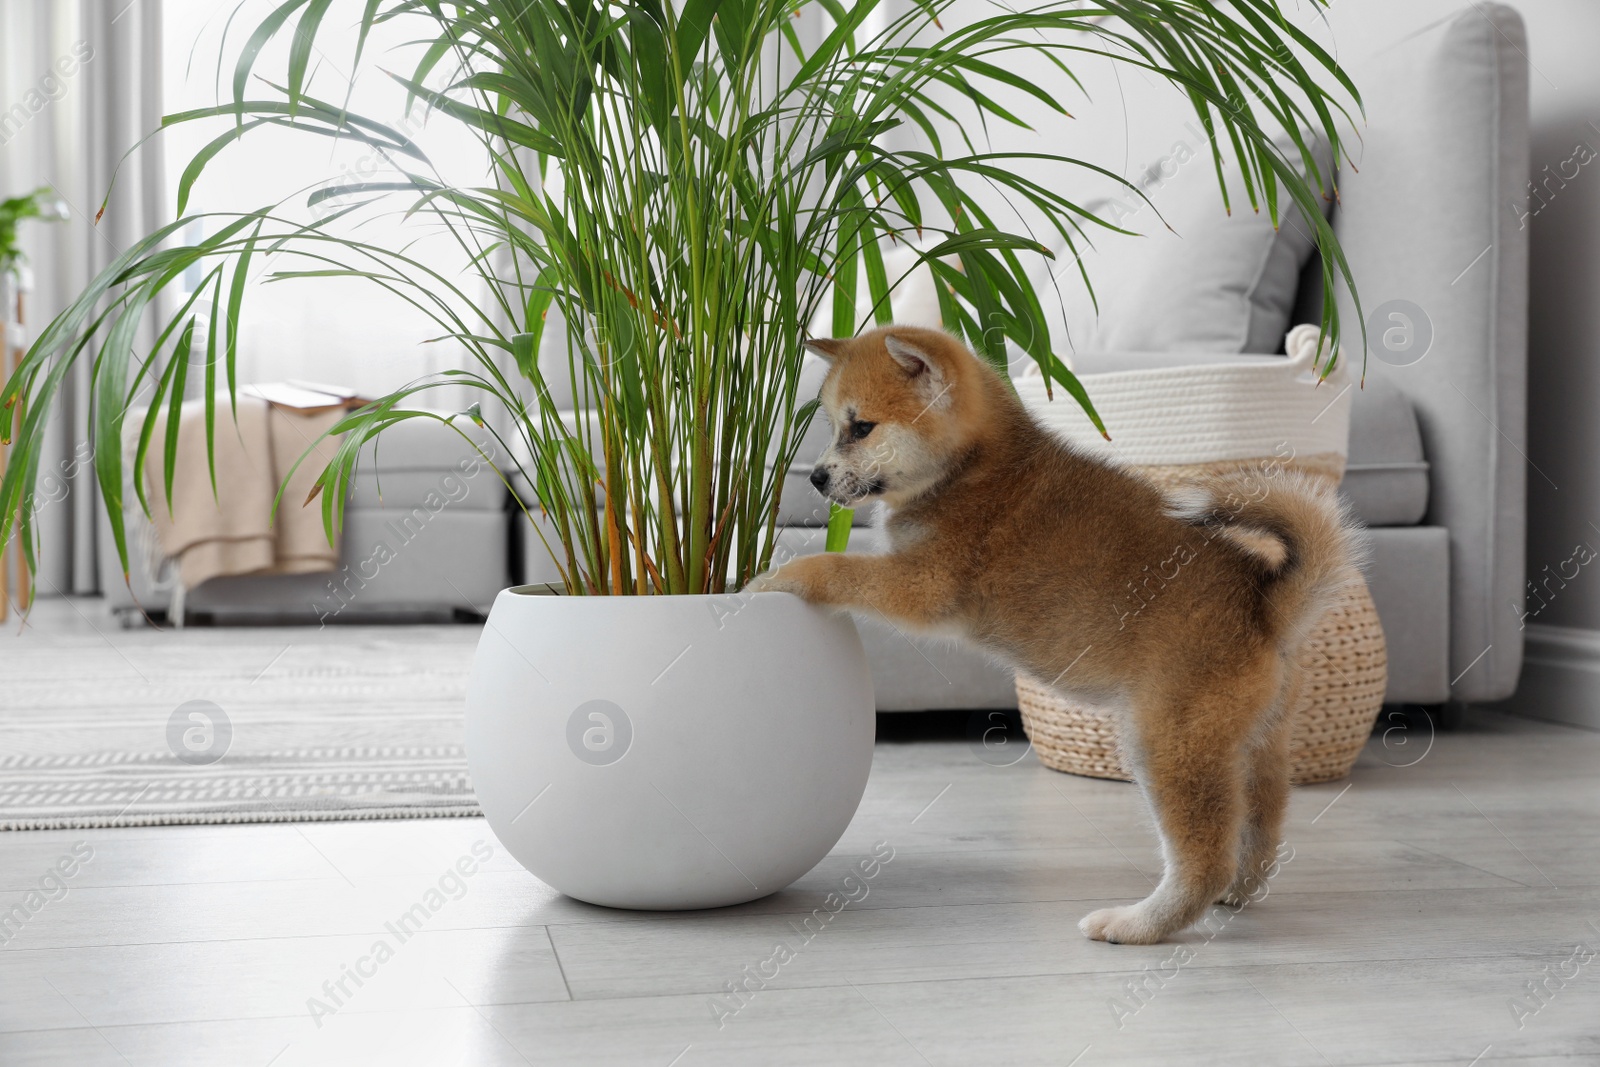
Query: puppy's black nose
819	478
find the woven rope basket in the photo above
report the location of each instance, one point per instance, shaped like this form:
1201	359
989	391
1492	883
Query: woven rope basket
1344	664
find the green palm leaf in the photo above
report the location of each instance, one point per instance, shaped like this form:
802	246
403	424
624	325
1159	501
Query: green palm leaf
683	186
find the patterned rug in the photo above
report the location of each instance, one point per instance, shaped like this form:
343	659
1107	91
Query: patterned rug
105	727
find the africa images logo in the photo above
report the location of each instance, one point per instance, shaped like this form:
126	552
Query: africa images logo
199	733
599	732
1399	332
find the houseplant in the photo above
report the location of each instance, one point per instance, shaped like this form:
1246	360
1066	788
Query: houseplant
685	186
42	203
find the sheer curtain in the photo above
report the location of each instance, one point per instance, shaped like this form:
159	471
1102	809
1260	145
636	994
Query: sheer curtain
334	330
80	83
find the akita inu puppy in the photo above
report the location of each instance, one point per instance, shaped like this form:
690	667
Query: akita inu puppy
1002	533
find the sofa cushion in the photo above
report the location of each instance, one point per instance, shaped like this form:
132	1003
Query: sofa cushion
1386	476
1408	572
420	462
423	566
1199	279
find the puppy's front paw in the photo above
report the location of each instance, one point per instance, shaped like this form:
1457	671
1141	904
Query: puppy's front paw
1120	926
765	583
775	581
802	577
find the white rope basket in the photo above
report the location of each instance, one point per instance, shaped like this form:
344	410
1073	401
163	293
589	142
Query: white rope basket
1210	412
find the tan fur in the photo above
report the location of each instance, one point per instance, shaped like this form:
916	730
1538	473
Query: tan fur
1183	609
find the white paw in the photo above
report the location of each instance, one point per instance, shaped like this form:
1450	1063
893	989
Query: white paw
772	582
1127	925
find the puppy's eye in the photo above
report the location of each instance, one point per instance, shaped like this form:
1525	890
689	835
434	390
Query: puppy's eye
860	429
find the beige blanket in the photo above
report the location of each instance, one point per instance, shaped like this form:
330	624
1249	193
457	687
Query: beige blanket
231	531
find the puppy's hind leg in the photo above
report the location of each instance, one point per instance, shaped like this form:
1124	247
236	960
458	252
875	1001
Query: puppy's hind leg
1266	791
1190	770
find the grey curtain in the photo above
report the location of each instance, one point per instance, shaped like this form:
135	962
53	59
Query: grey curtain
80	84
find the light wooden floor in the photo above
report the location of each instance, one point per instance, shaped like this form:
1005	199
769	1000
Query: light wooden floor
1423	896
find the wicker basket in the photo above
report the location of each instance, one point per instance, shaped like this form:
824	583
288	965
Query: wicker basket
1344	660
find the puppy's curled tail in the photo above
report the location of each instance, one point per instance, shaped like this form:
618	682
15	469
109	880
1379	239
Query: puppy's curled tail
1292	527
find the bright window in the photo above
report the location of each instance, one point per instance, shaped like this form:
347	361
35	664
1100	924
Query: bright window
343	331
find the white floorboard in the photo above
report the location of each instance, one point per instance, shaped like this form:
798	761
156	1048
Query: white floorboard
1422	897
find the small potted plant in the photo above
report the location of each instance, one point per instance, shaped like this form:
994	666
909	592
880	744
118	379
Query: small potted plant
42	203
686	184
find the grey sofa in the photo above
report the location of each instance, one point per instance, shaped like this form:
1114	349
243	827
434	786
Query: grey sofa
1436	467
425	537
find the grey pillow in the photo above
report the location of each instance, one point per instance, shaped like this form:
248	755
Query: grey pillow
1386	476
1213	282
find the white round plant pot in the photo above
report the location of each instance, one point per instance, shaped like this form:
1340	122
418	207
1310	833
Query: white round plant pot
668	752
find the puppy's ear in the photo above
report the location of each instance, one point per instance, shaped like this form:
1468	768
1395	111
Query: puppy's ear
913	360
829	348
